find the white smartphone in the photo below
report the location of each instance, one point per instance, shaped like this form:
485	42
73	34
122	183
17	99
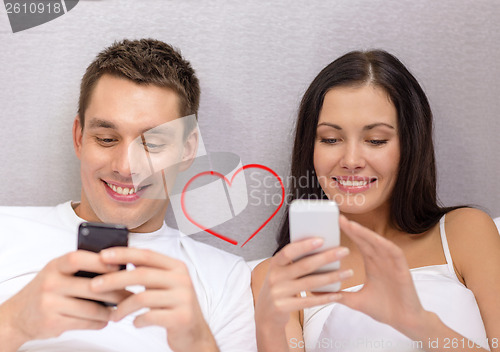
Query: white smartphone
316	218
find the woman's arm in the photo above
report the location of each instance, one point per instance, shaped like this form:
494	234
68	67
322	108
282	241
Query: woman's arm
270	335
276	285
475	248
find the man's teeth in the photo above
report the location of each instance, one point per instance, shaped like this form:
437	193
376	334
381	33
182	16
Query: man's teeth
352	183
123	191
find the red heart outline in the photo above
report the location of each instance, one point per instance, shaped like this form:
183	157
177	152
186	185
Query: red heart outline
229	182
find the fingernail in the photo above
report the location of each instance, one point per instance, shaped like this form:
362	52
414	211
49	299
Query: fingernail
342	252
96	282
346	274
108	253
317	242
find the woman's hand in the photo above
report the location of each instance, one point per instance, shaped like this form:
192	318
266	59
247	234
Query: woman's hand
277	283
285	279
388	294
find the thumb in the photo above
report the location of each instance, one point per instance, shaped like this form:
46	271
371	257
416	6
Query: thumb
353	300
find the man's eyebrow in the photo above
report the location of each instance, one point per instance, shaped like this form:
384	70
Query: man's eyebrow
98	123
366	128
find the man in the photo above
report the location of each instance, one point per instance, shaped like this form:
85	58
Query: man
194	297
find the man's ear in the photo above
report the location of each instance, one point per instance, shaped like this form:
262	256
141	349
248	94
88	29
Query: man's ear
190	150
77	136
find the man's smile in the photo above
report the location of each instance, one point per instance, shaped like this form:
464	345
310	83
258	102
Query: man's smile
124	192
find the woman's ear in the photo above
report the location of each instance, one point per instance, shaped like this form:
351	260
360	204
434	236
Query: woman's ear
77	136
190	150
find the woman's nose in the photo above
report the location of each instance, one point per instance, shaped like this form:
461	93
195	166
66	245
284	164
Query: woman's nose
353	158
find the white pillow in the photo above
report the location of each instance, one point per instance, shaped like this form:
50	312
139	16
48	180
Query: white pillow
497	222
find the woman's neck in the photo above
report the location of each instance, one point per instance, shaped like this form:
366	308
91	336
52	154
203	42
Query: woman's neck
378	220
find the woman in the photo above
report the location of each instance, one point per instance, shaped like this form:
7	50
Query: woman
411	270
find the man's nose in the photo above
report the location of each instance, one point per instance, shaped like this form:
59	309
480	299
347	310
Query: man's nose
120	163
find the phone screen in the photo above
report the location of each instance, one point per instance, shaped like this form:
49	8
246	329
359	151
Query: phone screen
95	237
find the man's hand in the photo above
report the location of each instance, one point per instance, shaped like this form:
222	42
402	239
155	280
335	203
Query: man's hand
48	306
169	294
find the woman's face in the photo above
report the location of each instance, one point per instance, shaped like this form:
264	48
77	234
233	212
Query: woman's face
356	151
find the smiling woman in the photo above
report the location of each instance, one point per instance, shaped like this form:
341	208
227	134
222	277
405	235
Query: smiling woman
364	132
357	147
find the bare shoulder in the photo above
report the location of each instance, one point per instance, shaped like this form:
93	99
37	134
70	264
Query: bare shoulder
473	240
469	224
259	275
475	247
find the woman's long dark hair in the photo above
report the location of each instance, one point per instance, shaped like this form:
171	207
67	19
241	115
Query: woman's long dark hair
414	203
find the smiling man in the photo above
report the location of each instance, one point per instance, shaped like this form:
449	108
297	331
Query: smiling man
186	296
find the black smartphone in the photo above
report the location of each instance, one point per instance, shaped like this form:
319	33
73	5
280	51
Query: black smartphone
95	237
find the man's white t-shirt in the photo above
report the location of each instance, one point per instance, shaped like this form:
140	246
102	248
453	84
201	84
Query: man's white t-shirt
32	236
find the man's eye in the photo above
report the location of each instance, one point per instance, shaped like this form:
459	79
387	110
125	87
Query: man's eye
105	141
152	147
329	140
377	141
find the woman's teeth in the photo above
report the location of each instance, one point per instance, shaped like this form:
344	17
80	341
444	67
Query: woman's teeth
123	191
353	183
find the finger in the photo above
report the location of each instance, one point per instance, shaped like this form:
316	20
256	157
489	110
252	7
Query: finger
67	323
62	323
311	263
293	304
148	277
83	310
376	250
83	260
353	300
296	249
311	282
157	317
367	241
81	288
139	257
147	299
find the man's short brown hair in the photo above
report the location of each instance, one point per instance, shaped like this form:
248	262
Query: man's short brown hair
145	61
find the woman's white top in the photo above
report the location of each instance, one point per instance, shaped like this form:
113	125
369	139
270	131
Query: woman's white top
335	327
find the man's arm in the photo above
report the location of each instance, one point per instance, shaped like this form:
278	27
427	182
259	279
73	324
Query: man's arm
10	339
47	306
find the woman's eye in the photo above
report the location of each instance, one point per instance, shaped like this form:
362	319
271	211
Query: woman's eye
377	141
329	140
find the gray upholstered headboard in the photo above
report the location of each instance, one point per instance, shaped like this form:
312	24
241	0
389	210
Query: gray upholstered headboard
254	60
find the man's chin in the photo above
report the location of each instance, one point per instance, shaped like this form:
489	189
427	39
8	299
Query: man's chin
146	220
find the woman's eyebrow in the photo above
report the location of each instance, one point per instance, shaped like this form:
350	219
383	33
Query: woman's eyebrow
378	124
337	127
366	128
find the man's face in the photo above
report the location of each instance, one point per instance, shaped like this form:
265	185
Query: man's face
119	115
